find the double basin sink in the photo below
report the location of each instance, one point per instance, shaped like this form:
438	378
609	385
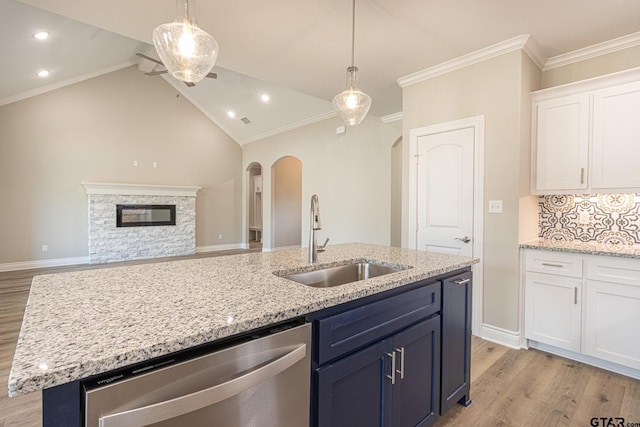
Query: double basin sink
340	275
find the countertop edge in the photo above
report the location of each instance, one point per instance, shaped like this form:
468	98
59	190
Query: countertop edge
624	252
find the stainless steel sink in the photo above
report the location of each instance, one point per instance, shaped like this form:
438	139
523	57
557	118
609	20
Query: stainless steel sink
343	274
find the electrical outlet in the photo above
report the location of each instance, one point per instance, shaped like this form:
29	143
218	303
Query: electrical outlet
135	163
219	236
45	248
495	206
155	164
584	217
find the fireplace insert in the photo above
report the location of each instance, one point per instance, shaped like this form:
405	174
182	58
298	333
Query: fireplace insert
145	215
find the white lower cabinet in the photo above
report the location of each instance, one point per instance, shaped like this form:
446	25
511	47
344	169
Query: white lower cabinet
593	310
612	311
612	323
553	310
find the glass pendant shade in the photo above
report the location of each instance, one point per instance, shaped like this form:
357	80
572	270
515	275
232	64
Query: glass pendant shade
352	105
187	51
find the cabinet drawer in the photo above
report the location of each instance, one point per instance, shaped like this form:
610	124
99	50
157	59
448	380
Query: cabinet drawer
353	329
553	263
624	271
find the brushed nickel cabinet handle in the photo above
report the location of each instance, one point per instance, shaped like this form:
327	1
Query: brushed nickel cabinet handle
575	295
581	175
401	370
461	281
392	377
547	264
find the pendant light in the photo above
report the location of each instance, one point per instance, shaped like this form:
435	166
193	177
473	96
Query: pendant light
187	51
352	105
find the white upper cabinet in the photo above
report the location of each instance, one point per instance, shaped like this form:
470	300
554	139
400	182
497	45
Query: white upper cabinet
586	136
563	143
616	137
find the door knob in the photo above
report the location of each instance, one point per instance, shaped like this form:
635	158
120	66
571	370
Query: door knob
465	239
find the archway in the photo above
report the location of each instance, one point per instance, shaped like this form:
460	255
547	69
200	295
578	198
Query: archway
286	203
254	206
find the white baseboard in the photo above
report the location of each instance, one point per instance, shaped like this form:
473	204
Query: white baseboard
61	262
589	360
500	336
43	263
214	248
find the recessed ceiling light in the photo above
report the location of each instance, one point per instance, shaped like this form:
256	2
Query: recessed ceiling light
265	97
42	35
231	114
43	73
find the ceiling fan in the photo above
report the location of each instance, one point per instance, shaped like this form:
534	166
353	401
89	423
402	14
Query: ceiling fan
155	73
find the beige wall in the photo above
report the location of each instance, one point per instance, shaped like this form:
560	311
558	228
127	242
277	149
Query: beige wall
350	173
92	131
496	89
605	64
528	204
287	202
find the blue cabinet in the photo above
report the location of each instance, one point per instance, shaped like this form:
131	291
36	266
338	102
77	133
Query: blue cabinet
416	392
398	359
394	382
352	392
456	340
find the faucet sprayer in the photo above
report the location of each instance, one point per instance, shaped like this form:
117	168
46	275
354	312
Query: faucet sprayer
314	225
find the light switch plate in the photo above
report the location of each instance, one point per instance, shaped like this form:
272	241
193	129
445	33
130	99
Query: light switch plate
495	206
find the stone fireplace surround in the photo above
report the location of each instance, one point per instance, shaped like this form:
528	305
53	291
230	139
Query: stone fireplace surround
108	243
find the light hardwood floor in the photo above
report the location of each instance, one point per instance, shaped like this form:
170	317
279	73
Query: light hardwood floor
508	387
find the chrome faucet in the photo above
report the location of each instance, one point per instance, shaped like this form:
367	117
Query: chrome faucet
314	224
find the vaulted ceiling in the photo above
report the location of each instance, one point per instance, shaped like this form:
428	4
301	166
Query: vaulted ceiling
296	51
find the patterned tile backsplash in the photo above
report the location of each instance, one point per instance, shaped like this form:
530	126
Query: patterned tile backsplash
612	219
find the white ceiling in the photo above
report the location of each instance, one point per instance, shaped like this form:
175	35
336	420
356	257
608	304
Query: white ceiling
297	51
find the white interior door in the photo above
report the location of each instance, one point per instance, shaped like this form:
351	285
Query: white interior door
444	197
446	194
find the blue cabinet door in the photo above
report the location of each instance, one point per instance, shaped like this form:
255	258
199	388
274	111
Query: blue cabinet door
456	340
354	391
416	393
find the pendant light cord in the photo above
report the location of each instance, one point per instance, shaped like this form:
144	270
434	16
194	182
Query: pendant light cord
353	33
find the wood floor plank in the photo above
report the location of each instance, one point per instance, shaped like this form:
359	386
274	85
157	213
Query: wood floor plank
517	392
520	407
484	354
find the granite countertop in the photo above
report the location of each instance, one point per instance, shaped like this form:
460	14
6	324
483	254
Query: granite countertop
83	323
590	248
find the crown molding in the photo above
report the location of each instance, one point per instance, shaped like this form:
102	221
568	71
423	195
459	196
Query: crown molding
392	117
535	52
510	45
58	85
599	49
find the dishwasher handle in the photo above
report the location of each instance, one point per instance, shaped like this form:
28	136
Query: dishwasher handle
178	406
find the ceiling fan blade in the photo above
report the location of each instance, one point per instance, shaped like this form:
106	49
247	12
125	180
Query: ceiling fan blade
212	75
155	73
141	55
189	84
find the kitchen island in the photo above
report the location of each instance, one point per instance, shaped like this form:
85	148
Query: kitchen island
85	323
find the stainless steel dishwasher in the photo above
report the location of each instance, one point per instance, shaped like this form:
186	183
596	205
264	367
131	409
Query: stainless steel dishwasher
263	381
